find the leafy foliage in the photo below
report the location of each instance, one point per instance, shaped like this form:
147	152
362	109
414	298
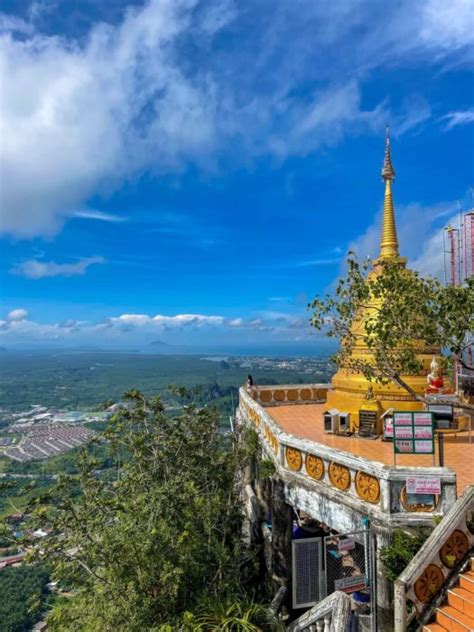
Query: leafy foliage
230	616
389	309
159	539
21	590
404	547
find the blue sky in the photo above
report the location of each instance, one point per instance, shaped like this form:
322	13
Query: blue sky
195	172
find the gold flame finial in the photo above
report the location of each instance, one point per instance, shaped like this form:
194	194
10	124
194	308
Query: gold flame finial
389	241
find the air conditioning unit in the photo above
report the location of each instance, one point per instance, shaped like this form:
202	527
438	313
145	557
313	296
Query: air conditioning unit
331	421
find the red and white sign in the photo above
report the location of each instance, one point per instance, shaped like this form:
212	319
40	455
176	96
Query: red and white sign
423	485
404	432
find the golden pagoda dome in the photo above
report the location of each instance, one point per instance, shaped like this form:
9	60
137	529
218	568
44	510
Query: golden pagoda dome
352	392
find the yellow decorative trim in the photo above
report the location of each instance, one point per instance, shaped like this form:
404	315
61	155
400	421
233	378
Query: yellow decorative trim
270	439
340	476
321	393
367	487
275	444
428	583
294	460
454	549
314	466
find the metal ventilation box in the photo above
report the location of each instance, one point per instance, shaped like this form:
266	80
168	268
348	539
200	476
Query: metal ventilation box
307	572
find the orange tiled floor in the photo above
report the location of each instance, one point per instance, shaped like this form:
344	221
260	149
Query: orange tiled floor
306	421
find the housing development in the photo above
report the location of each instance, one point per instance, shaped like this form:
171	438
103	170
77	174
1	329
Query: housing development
40	432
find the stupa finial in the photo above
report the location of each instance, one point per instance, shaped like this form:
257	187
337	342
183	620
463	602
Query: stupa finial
389	240
388	172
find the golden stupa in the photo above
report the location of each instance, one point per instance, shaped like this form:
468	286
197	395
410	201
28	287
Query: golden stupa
352	392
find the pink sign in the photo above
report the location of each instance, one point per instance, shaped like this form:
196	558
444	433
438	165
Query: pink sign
404	432
422	432
402	419
424	447
423	485
422	419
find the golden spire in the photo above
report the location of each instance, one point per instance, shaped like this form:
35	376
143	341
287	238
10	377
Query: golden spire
389	241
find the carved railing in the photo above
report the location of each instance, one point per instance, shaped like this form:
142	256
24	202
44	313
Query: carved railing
290	394
425	577
330	615
353	480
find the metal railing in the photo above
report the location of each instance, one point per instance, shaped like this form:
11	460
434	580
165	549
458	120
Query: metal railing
332	614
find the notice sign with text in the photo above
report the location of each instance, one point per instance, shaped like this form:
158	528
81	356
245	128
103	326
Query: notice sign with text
351	584
413	432
423	485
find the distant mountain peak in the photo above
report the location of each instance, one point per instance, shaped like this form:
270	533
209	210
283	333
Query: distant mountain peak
159	343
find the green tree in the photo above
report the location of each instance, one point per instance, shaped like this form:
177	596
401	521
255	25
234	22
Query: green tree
396	308
403	549
152	545
22	591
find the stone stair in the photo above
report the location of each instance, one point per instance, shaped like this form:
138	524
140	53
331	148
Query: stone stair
457	613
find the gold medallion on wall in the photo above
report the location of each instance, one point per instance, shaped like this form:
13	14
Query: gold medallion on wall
314	466
294	459
340	476
367	487
428	583
454	549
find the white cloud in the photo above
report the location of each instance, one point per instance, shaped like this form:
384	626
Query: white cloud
98	215
448	24
459	118
34	269
16	315
78	117
140	329
13	24
180	320
317	262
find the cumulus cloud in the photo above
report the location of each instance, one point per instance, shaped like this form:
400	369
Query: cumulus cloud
130	329
37	269
180	320
16	315
77	117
